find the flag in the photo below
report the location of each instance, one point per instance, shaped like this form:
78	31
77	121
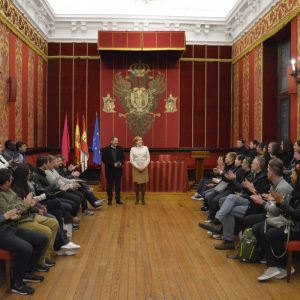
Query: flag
84	155
77	142
96	143
65	143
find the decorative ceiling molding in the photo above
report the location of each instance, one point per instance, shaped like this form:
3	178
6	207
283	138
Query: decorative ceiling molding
77	28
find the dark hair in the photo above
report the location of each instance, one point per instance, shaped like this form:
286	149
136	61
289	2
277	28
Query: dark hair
7	143
4	175
242	141
298	143
275	148
20	184
248	160
277	166
254	142
296	191
19	144
241	157
262	162
41	160
232	155
112	138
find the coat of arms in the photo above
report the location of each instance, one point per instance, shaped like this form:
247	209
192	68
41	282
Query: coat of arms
139	94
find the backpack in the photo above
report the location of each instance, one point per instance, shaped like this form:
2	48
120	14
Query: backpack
247	251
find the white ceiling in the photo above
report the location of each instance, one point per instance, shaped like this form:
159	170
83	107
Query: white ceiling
219	22
195	8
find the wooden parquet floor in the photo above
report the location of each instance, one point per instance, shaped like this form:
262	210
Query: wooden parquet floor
153	252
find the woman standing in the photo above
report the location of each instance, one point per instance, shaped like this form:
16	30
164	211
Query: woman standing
140	159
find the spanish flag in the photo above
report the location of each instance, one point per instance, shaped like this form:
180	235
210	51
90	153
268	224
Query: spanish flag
84	147
77	147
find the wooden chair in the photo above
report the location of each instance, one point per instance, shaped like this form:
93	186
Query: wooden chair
7	257
291	247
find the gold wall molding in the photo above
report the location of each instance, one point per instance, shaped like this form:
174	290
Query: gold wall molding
222	60
22	28
282	13
74	57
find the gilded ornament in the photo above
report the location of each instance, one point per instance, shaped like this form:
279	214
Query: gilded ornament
139	94
170	105
109	105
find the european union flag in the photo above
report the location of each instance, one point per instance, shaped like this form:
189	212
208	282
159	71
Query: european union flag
96	143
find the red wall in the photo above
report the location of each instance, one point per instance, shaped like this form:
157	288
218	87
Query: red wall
25	118
205	92
201	81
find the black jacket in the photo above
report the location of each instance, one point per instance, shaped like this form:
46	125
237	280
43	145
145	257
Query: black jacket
107	157
41	184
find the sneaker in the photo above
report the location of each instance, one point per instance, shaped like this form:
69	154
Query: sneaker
31	277
211	227
269	273
120	202
207	221
22	289
283	273
98	202
263	261
41	268
225	246
88	212
217	236
204	208
70	246
75	226
49	262
66	252
198	198
209	233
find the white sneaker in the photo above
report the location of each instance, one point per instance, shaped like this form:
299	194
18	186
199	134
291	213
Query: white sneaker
66	252
269	273
209	233
283	273
217	236
207	221
99	202
70	246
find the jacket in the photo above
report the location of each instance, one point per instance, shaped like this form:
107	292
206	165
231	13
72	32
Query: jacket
107	157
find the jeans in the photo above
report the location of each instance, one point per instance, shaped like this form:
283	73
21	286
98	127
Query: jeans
27	245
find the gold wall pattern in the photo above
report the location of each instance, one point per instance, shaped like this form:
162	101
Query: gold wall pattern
40	103
272	22
235	121
16	22
4	52
30	99
258	92
245	93
18	103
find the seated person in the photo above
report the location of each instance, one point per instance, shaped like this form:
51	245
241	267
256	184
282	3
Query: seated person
28	219
222	185
273	238
239	204
27	246
252	152
20	157
202	186
68	176
240	147
3	162
274	149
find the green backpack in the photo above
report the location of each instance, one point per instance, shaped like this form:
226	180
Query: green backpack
247	247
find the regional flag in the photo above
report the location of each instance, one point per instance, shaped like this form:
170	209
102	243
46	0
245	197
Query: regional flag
96	143
77	147
84	156
65	143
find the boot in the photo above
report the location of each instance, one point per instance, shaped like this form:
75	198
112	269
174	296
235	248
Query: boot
143	199
137	198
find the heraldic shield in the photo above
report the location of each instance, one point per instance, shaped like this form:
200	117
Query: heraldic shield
139	94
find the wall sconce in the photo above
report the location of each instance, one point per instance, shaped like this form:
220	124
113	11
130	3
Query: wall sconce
295	72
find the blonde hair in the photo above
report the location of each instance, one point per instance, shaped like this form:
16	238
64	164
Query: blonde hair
136	138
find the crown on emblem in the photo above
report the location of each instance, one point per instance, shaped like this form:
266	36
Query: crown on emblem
139	69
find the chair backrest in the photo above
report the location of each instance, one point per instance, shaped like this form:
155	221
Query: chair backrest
164	157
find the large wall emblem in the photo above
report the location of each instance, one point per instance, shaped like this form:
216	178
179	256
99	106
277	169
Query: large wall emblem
139	94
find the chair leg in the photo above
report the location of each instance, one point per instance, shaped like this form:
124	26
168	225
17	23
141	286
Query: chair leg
7	274
289	266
